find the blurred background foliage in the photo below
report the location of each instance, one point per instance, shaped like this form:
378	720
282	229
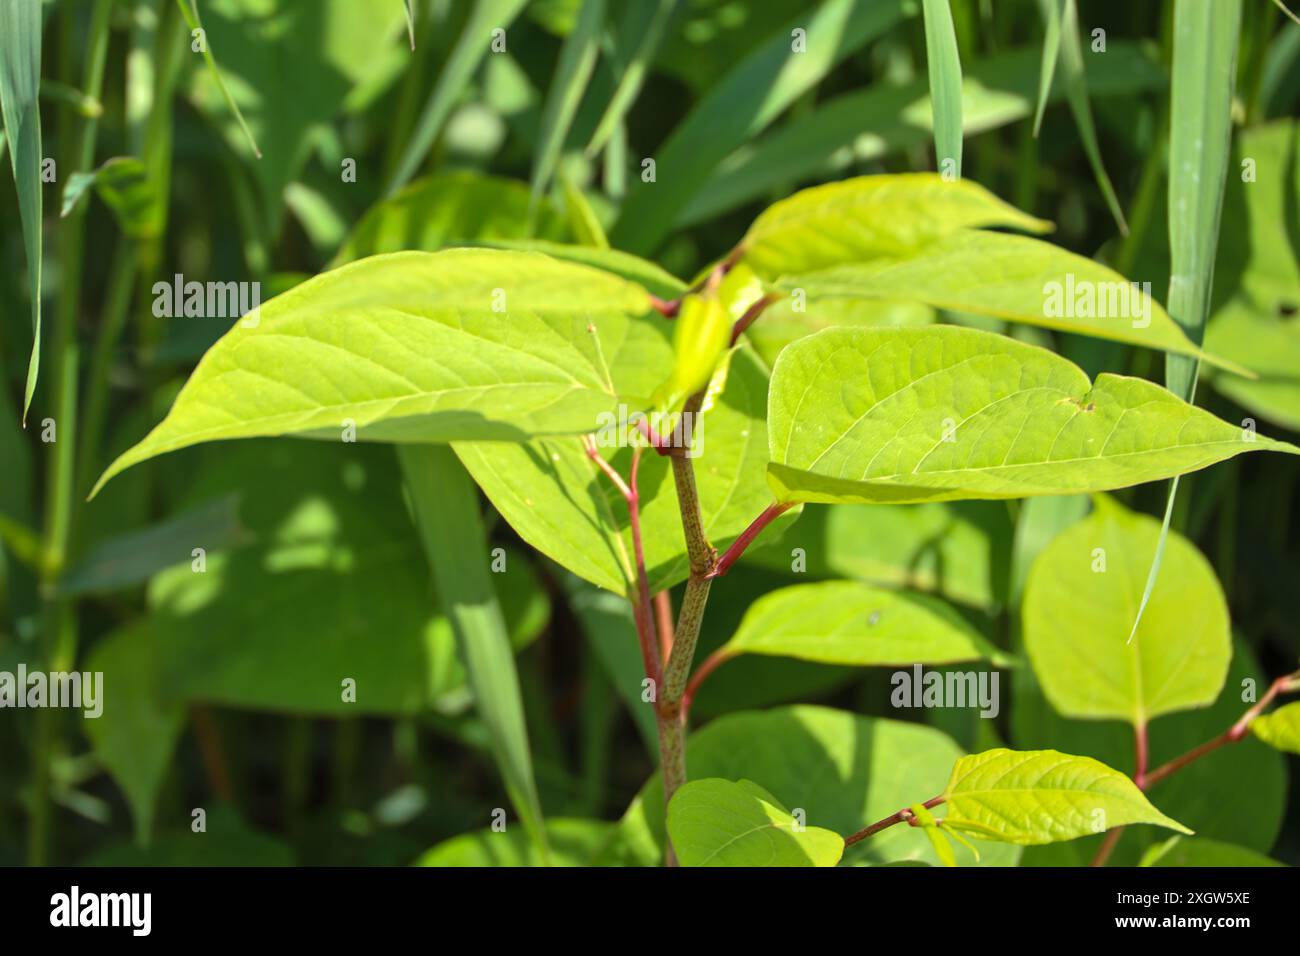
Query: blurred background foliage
228	680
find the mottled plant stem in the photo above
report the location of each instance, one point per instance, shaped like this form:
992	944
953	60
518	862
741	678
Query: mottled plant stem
672	718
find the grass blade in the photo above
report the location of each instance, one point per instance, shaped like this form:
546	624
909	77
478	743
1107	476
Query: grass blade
410	22
1051	49
883	119
467	53
572	74
741	105
1076	91
644	26
944	66
20	80
447	514
1200	139
190	12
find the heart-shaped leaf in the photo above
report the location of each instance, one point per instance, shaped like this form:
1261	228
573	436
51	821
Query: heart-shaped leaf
716	822
1042	796
908	415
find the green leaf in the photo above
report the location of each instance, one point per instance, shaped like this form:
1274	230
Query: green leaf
572	843
456	208
884	119
782	323
846	622
1076	91
20	80
1200	107
280	624
844	769
123	184
447	514
1198	851
1042	796
136	556
190	11
568	84
715	822
557	500
583	224
745	102
1014	278
1051	10
633	268
1079	604
871	217
411	347
638	37
139	726
466	54
1206	795
701	333
863	415
958	550
1280	729
1257	274
944	67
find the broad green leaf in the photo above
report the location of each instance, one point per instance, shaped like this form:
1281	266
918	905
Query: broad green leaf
944	68
781	323
568	85
1042	796
870	217
641	271
883	119
557	500
1038	522
20	80
1280	729
456	208
446	512
744	103
714	822
1009	277
909	415
1257	274
1198	851
844	770
136	556
281	624
466	55
572	843
846	622
1075	80
139	725
930	827
1205	795
638	38
958	550
1079	604
425	347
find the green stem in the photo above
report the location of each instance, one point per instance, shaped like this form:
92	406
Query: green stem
59	637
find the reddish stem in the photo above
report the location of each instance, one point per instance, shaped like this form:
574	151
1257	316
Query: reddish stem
770	514
1141	754
664	615
707	667
902	815
751	315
